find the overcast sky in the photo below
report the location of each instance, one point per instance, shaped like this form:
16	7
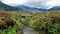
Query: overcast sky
33	3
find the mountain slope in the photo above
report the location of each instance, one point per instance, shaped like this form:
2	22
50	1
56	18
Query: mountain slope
55	8
7	7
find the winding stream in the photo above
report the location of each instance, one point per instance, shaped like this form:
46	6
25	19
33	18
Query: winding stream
28	30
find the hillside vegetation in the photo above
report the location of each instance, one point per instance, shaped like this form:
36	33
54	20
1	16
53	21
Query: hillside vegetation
40	22
10	23
46	22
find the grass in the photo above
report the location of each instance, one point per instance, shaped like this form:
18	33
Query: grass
46	22
10	23
41	22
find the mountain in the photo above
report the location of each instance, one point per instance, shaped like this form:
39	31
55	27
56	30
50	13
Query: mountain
25	8
7	7
30	8
39	9
55	8
12	8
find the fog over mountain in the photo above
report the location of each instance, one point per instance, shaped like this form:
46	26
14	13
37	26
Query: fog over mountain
46	4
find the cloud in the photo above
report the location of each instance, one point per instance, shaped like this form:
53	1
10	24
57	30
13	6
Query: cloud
37	3
47	4
14	2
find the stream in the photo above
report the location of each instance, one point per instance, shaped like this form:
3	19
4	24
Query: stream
29	30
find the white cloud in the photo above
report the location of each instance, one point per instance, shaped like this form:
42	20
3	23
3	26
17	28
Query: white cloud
53	3
33	3
14	2
37	3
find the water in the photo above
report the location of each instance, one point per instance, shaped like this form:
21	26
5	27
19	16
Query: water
29	30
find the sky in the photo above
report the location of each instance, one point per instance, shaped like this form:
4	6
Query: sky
46	4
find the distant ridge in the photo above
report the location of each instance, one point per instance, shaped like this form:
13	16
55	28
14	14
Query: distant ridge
55	8
39	9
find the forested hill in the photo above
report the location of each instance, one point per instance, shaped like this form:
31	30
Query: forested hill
7	7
